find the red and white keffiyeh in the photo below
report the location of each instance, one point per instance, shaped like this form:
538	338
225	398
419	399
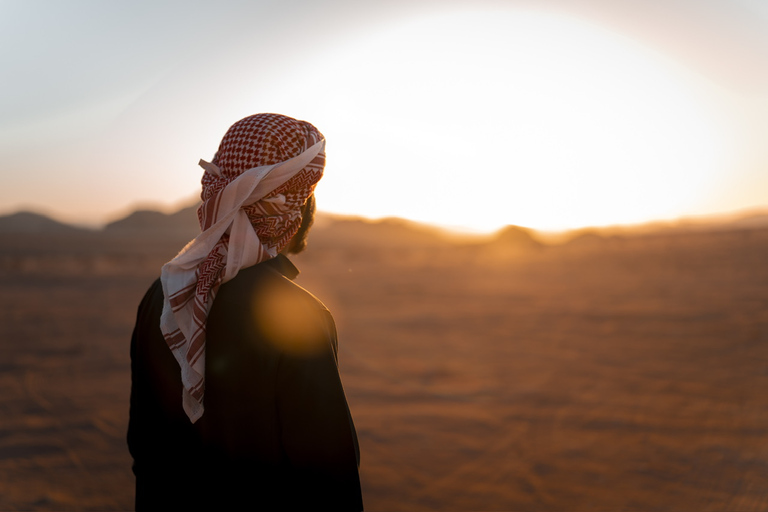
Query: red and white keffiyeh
266	167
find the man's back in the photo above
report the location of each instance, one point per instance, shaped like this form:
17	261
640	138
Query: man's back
276	433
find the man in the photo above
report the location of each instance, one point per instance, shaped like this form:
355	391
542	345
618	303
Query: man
236	401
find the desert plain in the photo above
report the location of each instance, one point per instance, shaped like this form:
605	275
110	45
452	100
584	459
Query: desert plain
602	372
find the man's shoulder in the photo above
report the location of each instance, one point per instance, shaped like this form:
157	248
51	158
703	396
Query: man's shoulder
264	283
263	292
264	302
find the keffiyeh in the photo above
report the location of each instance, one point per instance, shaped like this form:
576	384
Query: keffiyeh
266	167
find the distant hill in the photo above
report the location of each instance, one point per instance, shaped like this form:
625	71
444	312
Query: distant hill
380	233
758	220
591	238
513	240
516	237
332	231
181	224
30	222
731	222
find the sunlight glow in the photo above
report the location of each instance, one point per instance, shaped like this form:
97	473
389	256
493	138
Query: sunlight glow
480	119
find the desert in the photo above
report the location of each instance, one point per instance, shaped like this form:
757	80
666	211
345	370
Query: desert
603	371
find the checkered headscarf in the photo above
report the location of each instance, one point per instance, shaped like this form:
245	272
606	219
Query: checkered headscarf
266	167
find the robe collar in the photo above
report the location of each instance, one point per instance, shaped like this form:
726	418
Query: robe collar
282	264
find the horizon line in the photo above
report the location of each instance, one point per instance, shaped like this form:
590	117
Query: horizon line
681	221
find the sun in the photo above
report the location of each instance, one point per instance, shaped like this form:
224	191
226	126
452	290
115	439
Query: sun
478	119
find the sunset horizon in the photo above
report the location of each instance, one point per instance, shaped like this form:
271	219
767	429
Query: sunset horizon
323	215
554	116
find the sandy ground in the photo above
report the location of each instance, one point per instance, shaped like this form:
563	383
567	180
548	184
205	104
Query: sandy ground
623	375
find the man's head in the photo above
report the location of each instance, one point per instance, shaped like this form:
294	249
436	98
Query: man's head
255	200
283	217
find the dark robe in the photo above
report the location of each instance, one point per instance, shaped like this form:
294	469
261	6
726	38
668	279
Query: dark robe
276	433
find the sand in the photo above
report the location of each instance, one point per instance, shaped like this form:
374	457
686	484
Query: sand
624	374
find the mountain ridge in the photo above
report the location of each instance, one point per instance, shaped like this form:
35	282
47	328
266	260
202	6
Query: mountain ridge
331	228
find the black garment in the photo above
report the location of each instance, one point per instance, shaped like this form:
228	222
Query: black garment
276	433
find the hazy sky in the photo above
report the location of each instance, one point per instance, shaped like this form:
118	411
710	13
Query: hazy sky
544	113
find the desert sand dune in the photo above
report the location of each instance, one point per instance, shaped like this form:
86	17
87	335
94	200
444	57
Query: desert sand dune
620	373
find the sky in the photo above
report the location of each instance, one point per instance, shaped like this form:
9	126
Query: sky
550	114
